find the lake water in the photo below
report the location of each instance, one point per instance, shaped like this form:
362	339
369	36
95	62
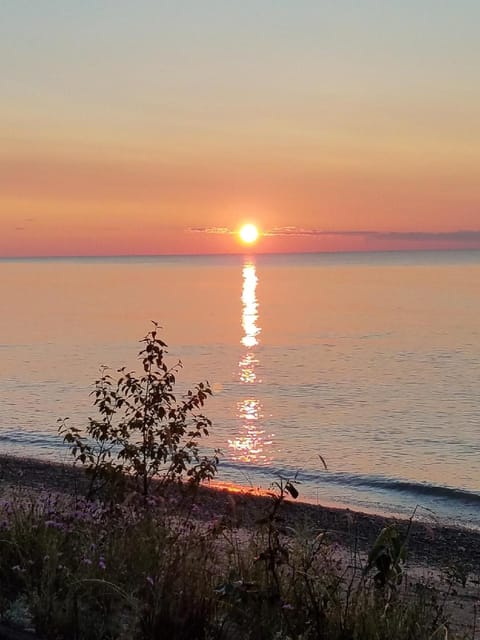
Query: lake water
369	360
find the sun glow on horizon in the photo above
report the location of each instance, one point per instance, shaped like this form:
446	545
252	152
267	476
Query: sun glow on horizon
248	233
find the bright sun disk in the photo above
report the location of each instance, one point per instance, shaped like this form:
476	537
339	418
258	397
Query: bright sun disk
248	233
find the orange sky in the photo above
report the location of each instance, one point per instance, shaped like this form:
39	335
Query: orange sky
329	127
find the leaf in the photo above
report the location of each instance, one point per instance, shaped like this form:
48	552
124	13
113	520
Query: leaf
292	490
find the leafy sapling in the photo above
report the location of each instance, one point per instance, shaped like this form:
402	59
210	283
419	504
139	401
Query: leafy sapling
143	432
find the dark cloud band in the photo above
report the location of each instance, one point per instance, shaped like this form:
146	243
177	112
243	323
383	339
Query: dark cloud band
461	235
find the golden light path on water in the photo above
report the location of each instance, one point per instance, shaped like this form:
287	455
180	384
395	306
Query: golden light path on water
252	443
250	306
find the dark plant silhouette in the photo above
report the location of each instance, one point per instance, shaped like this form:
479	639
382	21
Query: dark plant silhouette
143	431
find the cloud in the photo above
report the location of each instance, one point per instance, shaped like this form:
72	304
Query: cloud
461	235
214	230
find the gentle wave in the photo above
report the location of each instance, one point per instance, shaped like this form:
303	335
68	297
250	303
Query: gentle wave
32	439
270	473
381	483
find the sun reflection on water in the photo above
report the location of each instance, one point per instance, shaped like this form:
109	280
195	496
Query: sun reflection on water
247	366
250	306
252	443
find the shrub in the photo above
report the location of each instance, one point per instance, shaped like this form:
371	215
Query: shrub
143	431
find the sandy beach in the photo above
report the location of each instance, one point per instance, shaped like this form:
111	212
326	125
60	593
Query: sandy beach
444	558
430	544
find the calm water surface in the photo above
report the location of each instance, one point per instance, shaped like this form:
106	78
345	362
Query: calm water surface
370	360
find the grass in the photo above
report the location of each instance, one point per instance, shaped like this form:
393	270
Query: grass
73	568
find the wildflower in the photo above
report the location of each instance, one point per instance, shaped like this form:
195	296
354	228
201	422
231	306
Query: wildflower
53	524
101	563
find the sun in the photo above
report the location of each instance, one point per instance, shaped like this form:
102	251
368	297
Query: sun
248	233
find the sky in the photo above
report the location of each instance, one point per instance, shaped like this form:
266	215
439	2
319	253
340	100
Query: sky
151	127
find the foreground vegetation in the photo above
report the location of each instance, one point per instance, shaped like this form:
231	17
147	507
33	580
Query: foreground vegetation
134	558
74	568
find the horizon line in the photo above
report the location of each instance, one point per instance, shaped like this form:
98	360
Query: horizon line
239	253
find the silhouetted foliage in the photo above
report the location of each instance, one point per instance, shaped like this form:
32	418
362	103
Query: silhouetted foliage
143	431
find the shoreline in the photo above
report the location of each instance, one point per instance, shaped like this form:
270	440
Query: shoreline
420	513
431	545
